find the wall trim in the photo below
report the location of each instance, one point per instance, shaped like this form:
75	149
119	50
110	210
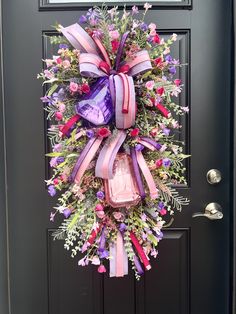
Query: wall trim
45	5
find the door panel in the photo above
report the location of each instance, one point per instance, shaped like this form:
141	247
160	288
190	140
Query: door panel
191	274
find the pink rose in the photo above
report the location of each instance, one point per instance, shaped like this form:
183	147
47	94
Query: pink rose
73	87
100	214
66	64
114	34
149	85
118	215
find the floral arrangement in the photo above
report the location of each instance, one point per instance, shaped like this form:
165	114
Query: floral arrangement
110	101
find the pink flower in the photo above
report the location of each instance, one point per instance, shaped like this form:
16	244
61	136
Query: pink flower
150	84
48	74
99	207
102	269
58	116
114	34
66	64
156	39
73	87
163	212
160	91
100	214
177	82
118	215
115	45
104	132
134	132
154	132
85	88
152	26
158	163
62	107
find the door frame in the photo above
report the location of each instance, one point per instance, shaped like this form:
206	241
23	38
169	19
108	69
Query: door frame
5	302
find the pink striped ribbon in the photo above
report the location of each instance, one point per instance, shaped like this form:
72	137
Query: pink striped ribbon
147	175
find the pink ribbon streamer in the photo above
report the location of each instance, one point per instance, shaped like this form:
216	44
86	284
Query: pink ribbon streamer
147	175
106	158
119	260
88	158
79	38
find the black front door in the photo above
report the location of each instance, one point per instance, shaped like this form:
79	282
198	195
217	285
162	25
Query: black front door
192	273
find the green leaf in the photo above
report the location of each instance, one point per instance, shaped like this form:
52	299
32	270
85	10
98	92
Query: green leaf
52	89
54	154
153	239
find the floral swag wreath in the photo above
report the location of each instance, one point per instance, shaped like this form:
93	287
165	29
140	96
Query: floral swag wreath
113	119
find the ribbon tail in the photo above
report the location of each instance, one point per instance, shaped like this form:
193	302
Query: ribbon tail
106	158
79	38
119	260
152	142
88	158
125	105
137	173
147	175
140	251
120	49
81	158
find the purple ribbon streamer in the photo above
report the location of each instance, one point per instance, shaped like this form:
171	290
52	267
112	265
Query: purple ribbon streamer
138	265
152	142
137	173
120	49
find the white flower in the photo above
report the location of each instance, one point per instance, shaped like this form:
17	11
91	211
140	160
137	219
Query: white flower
95	260
174	37
147	6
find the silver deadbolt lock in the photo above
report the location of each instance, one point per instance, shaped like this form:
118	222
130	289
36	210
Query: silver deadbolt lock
213	176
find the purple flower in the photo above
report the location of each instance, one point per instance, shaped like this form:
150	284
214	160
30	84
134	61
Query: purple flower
53	162
100	195
143	27
83	19
103	254
172	70
168	58
51	190
60	160
90	133
139	147
55	69
67	212
57	147
159	236
166	162
122	227
161	205
63	46
166	131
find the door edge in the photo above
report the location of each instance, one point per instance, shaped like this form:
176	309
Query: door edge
5	306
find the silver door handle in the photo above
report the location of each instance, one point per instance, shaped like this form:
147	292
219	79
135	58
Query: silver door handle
213	211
